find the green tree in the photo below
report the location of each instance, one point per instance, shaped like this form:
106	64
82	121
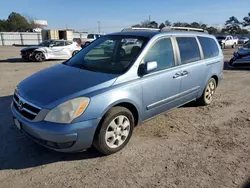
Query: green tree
246	20
3	25
17	22
168	23
136	25
162	25
195	25
232	25
243	31
153	24
181	24
145	24
212	30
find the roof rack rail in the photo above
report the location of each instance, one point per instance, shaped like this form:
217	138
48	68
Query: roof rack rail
140	28
183	29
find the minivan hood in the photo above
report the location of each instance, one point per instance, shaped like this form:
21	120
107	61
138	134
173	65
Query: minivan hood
60	81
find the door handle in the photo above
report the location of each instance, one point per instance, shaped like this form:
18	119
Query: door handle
184	73
177	75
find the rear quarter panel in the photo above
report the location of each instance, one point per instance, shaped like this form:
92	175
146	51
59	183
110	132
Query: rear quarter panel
215	68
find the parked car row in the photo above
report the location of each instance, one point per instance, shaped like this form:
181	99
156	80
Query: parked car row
230	41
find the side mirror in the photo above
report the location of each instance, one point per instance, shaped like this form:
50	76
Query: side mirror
150	66
146	68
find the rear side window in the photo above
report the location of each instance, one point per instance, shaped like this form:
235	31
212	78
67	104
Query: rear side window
209	47
189	49
68	43
90	36
162	53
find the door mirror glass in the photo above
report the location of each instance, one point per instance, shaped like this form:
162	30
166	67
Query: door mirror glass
150	66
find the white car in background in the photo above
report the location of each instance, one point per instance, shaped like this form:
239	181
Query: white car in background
226	41
51	49
236	39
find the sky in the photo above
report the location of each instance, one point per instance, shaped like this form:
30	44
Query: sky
114	15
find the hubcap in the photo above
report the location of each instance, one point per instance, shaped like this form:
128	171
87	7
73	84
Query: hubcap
210	92
39	57
117	131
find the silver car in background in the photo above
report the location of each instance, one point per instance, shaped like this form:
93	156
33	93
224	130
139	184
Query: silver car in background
243	40
51	49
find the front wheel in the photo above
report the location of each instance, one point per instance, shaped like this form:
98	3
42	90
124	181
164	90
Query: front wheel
208	93
39	57
115	131
75	52
234	45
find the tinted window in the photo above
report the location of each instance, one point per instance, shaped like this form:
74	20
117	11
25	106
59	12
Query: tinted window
90	36
162	53
209	47
57	43
189	49
68	43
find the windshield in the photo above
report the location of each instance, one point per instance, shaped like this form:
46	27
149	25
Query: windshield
90	36
109	54
243	38
221	38
45	43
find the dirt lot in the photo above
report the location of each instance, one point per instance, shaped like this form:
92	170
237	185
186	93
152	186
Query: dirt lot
189	147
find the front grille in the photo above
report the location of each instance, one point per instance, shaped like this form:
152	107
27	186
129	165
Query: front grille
25	108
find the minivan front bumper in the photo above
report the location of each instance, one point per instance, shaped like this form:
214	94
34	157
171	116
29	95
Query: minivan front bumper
74	137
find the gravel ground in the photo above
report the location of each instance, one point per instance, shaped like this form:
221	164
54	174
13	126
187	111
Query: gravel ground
188	147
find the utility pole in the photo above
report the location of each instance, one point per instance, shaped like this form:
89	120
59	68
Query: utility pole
99	26
149	18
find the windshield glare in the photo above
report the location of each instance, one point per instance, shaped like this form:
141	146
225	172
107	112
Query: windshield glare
109	54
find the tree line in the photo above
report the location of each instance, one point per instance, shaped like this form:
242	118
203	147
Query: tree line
16	23
232	25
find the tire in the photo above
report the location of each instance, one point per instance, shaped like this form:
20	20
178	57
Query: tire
223	46
114	131
122	53
230	63
234	45
86	44
75	52
207	95
39	57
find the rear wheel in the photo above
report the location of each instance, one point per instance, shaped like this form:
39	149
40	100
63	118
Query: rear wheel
230	63
75	52
122	53
115	131
208	93
39	57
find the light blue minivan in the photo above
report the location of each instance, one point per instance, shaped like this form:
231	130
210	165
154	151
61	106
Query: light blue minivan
120	80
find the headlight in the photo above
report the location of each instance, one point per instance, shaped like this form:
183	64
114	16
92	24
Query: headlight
68	111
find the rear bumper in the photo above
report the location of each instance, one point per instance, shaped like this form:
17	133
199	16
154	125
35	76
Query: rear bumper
59	137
